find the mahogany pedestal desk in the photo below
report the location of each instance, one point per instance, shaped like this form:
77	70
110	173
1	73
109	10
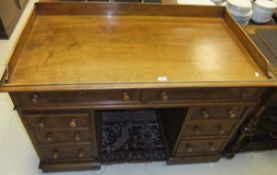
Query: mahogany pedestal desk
194	66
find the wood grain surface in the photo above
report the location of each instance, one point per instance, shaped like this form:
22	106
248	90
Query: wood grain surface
103	49
67	47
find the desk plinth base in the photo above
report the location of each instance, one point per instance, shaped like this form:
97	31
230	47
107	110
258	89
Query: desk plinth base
192	159
69	166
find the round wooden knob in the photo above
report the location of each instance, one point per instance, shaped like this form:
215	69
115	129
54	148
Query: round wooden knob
55	154
196	130
81	153
164	96
35	98
232	114
72	123
49	137
205	113
77	137
125	97
41	123
212	148
220	130
189	149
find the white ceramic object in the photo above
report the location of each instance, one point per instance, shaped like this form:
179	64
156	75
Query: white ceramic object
243	20
263	11
217	2
224	4
242	7
241	10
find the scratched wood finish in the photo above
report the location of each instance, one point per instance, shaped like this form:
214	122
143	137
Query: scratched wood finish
103	49
118	48
130	49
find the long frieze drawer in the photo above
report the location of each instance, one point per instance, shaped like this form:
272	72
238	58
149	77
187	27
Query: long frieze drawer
188	147
68	152
77	98
57	120
217	112
60	136
199	128
193	94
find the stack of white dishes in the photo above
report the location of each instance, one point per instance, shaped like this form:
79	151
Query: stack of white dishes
224	4
241	10
217	2
263	11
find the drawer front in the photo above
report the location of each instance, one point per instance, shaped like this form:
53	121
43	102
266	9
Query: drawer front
68	152
78	98
199	147
198	128
76	135
272	97
218	112
194	94
62	120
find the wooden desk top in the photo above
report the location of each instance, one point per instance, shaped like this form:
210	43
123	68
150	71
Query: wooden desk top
251	29
103	50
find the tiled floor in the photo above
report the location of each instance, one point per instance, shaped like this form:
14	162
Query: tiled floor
17	156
